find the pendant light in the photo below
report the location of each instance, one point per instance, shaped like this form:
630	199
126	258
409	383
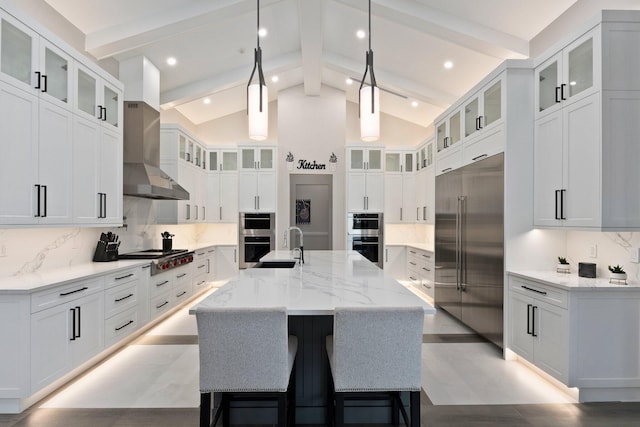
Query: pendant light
257	94
369	98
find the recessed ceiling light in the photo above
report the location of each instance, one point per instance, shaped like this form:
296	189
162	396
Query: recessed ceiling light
207	101
349	81
262	32
414	103
172	61
572	83
448	65
275	79
361	34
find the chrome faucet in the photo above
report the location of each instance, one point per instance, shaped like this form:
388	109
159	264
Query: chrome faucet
301	248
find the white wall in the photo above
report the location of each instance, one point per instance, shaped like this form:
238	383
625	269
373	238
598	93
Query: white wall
234	128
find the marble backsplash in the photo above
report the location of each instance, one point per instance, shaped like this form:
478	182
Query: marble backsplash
28	250
409	233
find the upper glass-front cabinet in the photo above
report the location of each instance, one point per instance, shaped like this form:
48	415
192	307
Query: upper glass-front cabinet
32	63
365	159
257	158
97	99
399	161
484	109
569	75
448	132
223	161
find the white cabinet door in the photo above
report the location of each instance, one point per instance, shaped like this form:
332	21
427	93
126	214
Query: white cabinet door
356	191
429	210
50	349
213	197
57	78
551	343
410	210
266	191
90	328
375	192
548	77
393	212
520	325
548	166
110	166
582	175
55	154
226	262
247	191
421	194
228	208
395	262
86	149
19	161
18	53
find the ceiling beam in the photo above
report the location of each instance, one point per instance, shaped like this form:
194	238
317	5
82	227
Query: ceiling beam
310	24
157	26
390	82
448	27
223	81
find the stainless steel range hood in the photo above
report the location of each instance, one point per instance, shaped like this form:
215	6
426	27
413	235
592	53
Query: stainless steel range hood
142	175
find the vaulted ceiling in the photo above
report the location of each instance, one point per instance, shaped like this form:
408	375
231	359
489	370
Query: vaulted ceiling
314	43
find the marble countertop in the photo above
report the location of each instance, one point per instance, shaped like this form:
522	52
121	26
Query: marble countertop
421	246
326	280
571	281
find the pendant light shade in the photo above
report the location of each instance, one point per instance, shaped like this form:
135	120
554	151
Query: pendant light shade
369	98
258	120
369	117
257	93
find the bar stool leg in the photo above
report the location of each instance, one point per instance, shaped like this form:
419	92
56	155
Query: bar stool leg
395	408
339	410
415	408
205	409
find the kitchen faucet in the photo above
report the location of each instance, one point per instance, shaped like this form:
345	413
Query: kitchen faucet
301	248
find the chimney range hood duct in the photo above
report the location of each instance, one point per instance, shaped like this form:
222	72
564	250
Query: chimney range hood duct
142	175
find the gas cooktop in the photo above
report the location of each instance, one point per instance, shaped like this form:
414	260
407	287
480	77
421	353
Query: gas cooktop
152	254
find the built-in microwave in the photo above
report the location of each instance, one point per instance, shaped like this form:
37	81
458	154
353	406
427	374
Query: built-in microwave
360	223
365	235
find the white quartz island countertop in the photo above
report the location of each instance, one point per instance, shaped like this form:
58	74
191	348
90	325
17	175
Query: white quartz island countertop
571	281
327	279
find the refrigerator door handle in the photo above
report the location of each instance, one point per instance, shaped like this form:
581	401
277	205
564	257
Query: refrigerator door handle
458	244
461	237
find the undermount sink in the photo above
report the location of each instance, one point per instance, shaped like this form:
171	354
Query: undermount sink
275	264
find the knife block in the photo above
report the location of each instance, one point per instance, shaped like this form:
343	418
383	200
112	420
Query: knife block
105	252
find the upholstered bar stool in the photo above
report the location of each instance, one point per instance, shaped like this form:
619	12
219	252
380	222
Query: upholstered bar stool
245	354
375	350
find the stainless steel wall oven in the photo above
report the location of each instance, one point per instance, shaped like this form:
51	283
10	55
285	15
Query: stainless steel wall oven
364	235
256	237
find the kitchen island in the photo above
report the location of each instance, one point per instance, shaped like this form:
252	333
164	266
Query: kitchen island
311	292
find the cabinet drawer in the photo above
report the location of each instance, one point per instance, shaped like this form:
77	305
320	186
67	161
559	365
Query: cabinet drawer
485	145
62	294
200	267
160	284
161	304
121	325
121	298
122	276
182	275
539	291
426	256
449	160
182	293
200	283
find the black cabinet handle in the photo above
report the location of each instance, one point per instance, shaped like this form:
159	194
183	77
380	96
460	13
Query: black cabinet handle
124	277
44	81
64	294
37	200
125	325
533	321
99	205
103	116
79	321
123	298
558	97
180	294
445	170
481	156
562	204
477	123
44	210
480	122
202	266
557	215
73	325
181	275
104	205
201	283
38	77
99	112
162	305
533	290
162	283
529	332
446	141
562	86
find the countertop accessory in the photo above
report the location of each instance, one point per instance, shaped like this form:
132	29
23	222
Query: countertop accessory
107	248
563	265
617	275
167	241
587	269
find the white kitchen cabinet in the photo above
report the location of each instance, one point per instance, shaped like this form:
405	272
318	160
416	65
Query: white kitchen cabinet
180	211
97	99
425	184
449	131
64	336
226	262
400	187
200	268
257	158
257	180
420	270
395	263
484	109
365	192
365	159
569	75
222	186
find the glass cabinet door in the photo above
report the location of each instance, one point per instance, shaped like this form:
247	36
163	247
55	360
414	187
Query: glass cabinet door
183	147
86	93
266	158
375	160
548	80
422	159
356	159
229	161
454	128
213	160
198	154
248	158
56	79
18	54
408	162
580	67
392	162
470	117
441	136
429	154
111	105
492	104
189	151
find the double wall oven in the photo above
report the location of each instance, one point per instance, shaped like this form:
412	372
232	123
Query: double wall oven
364	235
256	237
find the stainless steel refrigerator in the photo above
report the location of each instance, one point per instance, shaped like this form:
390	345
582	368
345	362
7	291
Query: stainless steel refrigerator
469	245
